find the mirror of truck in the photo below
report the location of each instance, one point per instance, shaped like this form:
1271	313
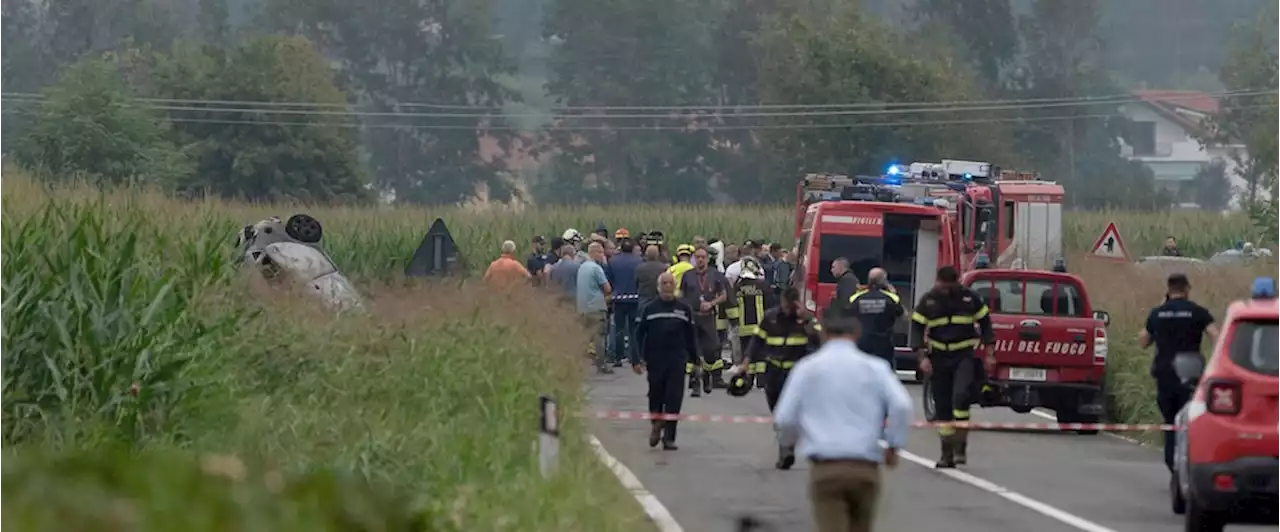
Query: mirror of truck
1103	316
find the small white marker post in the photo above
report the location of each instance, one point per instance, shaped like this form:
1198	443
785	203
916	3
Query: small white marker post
548	436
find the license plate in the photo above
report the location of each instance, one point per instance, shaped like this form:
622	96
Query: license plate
1027	374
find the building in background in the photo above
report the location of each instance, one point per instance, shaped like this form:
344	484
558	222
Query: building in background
1163	136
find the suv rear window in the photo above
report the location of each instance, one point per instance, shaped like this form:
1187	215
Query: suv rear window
1254	346
1031	297
863	253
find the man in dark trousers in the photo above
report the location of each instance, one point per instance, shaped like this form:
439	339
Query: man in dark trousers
783	337
704	288
944	336
626	297
877	309
1176	326
847	283
667	346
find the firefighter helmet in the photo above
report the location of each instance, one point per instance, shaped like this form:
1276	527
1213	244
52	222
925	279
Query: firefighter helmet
571	236
684	249
751	268
621	233
740	382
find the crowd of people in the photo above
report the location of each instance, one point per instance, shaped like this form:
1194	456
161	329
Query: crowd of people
605	279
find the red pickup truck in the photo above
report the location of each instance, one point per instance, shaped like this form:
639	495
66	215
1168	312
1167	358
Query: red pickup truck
1051	345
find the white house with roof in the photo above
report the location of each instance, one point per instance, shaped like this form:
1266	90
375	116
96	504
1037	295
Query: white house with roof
1163	138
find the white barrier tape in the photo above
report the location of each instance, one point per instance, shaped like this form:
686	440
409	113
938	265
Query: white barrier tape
973	425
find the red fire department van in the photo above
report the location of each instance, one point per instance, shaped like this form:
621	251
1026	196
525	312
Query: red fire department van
871	225
1051	345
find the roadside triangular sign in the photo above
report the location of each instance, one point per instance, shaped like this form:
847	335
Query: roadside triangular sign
1109	245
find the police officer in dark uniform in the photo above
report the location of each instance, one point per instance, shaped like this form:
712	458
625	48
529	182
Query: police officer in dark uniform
666	344
784	336
943	333
1176	326
877	309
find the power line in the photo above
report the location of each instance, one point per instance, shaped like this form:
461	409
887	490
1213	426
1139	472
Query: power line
605	127
867	107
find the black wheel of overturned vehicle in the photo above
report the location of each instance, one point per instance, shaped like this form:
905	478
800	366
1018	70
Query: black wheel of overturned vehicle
304	228
930	408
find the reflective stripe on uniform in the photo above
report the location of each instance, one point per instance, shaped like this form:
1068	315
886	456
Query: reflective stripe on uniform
960	415
666	316
951	320
732	313
971	343
688	367
890	295
722	324
748	330
784	364
713	366
793	340
756	367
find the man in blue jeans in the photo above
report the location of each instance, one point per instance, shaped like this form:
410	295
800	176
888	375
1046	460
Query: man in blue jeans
626	299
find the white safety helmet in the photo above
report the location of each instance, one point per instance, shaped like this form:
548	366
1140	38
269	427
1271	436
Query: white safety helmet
571	235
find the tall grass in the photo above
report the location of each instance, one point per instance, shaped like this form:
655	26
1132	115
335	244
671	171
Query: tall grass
132	348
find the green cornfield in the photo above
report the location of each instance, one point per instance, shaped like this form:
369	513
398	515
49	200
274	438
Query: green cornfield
128	327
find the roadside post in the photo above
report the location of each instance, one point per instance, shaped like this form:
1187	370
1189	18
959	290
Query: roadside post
548	436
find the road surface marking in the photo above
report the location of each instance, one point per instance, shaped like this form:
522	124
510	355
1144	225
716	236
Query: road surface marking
1014	497
652	506
1050	415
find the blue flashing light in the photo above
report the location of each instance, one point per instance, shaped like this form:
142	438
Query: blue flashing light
894	170
968	176
1263	288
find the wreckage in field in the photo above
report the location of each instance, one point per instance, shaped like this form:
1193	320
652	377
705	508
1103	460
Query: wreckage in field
290	251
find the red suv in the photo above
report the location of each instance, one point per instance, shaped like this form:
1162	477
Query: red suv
1225	461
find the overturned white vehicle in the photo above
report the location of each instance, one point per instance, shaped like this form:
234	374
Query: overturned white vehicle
290	251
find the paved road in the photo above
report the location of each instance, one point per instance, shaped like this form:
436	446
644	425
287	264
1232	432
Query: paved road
1090	483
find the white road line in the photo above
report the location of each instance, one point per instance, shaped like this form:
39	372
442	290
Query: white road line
1054	417
1014	497
652	506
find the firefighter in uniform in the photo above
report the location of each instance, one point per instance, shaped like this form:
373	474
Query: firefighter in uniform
785	335
877	309
944	336
680	264
755	296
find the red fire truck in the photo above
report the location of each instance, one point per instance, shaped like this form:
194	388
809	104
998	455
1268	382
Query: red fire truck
871	223
1015	218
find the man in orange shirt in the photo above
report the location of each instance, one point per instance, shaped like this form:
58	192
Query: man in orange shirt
506	270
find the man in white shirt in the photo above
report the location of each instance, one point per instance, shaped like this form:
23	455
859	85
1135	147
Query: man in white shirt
839	403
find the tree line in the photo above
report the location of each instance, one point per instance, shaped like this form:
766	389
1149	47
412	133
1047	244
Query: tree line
601	101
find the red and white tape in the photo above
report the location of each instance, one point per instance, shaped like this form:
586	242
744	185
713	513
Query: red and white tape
973	425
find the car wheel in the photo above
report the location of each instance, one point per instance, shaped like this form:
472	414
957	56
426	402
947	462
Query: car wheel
1175	494
930	408
1198	519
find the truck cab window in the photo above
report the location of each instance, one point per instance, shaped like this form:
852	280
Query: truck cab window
1007	218
982	229
1031	297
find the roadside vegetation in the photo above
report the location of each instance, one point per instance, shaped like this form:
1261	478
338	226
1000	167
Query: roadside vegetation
148	385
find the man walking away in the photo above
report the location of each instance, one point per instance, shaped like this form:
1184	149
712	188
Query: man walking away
703	289
838	404
564	275
647	273
666	344
847	283
784	336
1176	326
538	260
506	271
593	289
947	314
626	298
877	309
